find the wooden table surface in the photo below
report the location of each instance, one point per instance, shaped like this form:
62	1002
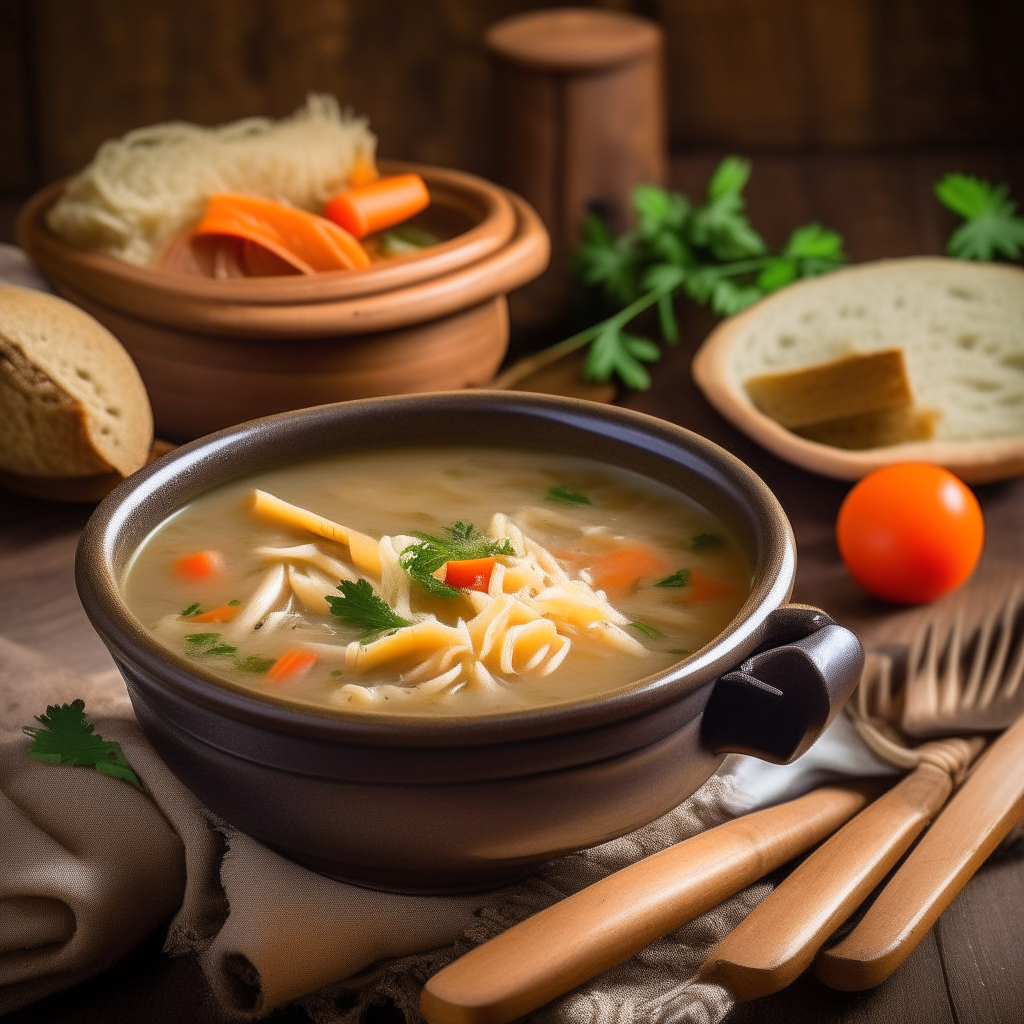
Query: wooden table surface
970	967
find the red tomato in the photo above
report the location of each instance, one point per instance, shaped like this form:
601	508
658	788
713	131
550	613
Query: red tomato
911	532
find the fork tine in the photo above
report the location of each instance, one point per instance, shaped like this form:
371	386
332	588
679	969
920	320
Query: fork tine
950	687
1012	680
997	666
981	660
921	696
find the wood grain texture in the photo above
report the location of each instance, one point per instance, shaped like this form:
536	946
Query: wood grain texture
603	925
778	940
977	819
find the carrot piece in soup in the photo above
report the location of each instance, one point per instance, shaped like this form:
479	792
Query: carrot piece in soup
618	571
469	573
379	205
705	588
225	613
199	565
292	665
303	240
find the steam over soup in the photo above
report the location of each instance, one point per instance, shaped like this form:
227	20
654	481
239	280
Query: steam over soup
438	580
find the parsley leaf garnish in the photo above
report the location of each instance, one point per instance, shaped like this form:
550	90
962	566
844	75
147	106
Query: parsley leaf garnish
678	579
208	643
703	541
359	606
568	495
647	630
710	252
991	225
66	736
463	541
253	663
234	604
193	609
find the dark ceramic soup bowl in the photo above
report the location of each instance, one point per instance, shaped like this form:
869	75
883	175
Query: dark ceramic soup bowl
462	802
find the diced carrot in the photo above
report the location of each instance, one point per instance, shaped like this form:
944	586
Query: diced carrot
618	571
200	565
305	241
469	573
363	172
705	588
225	613
293	665
379	205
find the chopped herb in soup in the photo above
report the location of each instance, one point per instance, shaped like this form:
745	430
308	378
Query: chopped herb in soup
434	581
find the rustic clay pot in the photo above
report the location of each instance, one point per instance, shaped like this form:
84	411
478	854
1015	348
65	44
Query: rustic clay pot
216	352
441	804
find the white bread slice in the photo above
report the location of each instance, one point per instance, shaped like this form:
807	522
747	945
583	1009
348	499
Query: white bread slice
72	403
959	324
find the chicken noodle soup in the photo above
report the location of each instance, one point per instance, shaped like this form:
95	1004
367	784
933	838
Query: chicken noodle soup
438	580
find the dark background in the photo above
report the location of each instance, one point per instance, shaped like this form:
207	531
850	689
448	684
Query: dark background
790	78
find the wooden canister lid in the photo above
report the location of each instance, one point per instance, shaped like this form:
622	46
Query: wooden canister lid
573	38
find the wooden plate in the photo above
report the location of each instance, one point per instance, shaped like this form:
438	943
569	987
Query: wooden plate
714	370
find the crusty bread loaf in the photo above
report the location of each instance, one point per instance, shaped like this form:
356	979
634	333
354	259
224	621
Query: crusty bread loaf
72	403
960	326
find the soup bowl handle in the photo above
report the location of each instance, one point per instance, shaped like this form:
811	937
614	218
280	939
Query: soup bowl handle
781	699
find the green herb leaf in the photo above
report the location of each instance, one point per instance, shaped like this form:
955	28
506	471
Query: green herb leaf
568	495
336	672
678	579
647	630
777	273
66	736
253	663
703	541
193	609
463	541
710	251
359	606
208	643
234	604
992	227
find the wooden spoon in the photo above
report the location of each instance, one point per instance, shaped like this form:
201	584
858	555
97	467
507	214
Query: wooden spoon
606	923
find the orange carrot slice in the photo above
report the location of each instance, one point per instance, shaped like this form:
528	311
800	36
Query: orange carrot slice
200	565
705	588
292	665
618	571
303	240
469	573
363	172
382	204
225	613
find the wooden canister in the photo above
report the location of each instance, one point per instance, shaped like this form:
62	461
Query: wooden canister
581	121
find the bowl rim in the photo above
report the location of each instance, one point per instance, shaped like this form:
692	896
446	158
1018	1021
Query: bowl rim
193	469
467	192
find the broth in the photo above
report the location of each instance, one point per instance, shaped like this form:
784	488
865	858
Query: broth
575	580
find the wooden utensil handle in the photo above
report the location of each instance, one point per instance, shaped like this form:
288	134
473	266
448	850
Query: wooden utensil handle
608	922
986	807
775	943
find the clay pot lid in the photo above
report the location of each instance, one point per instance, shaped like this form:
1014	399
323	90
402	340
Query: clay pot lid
573	38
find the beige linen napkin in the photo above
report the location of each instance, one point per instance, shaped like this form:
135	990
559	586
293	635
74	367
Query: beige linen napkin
77	892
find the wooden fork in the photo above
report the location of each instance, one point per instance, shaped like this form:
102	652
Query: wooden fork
958	679
779	939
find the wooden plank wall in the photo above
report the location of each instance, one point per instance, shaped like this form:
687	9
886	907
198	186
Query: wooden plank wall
754	75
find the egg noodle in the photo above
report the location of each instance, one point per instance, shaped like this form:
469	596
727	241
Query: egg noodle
153	183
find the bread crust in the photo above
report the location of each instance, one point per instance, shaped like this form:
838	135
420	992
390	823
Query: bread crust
72	403
723	363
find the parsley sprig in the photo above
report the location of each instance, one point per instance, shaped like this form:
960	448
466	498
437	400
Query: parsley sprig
359	606
991	225
709	252
66	736
462	541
